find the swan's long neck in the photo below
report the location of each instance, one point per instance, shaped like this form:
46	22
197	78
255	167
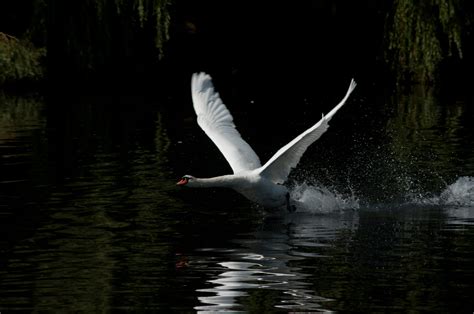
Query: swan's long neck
226	181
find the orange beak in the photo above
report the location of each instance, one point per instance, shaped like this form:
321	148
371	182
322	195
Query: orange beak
182	181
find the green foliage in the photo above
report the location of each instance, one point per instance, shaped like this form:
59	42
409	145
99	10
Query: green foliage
421	35
163	20
95	34
19	60
422	128
86	36
155	11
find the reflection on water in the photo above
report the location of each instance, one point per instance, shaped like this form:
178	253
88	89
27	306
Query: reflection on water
460	216
63	248
398	259
21	142
19	116
426	127
91	220
260	269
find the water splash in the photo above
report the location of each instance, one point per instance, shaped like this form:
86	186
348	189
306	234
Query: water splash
460	193
319	199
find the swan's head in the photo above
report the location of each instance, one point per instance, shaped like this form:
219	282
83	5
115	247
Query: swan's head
185	180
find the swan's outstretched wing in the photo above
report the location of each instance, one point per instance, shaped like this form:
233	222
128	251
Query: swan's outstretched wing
215	119
279	166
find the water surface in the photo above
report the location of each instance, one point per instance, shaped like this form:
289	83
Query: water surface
90	218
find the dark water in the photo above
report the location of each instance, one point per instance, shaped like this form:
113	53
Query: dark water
91	221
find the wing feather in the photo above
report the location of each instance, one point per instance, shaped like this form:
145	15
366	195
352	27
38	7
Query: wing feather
217	122
279	166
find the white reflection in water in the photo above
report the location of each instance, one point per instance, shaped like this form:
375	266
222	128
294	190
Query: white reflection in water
461	216
457	200
267	260
460	197
460	192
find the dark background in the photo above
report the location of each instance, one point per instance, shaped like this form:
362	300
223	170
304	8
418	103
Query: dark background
266	44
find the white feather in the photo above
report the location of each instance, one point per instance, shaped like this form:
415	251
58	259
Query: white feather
214	118
261	184
279	166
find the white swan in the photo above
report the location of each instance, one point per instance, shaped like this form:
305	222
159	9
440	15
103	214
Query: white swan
260	184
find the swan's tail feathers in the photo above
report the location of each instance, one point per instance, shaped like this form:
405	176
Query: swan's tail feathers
352	86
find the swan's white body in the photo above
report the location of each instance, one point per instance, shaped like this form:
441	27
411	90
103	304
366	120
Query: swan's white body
261	184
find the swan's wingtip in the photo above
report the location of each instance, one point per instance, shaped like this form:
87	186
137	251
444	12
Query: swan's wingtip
353	82
199	79
352	85
201	75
